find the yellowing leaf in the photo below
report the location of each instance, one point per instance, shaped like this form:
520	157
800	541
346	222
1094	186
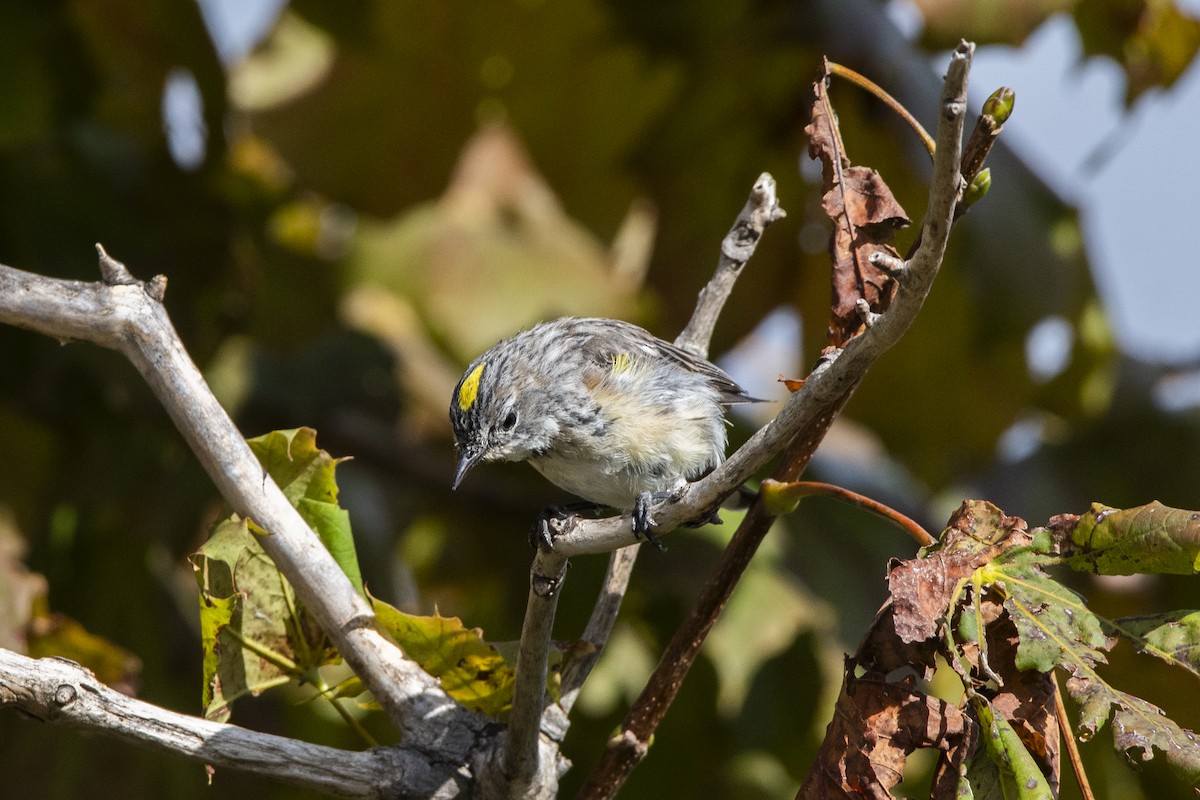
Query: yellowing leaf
1149	538
1174	637
255	634
1056	627
472	671
1140	729
215	615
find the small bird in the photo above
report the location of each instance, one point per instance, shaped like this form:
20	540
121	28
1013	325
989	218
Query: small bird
601	408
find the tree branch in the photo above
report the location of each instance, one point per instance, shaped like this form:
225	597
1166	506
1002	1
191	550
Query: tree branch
587	650
528	774
128	316
804	420
531	713
61	691
761	209
830	382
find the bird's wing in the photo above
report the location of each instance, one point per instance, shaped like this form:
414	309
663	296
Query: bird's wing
616	339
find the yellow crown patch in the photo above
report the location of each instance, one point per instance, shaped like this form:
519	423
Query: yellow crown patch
469	391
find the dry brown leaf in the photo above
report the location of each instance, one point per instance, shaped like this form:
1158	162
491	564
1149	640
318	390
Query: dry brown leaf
880	720
866	217
1026	697
921	587
882	716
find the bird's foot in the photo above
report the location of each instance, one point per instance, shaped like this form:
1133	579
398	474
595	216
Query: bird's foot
550	522
643	522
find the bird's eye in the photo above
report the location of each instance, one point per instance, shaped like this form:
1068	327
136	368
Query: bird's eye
510	421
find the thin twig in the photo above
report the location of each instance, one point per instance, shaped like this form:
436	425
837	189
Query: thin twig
587	651
904	522
974	154
804	422
1064	725
761	209
896	107
988	126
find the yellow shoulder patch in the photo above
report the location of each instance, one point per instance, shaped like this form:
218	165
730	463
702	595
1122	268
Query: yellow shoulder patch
620	363
469	390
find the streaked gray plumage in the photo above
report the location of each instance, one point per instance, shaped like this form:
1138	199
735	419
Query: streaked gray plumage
600	407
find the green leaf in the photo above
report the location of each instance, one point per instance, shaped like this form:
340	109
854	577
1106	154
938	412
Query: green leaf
216	613
1173	636
332	524
981	779
1149	538
1055	627
1019	775
1139	728
300	468
305	473
254	633
470	670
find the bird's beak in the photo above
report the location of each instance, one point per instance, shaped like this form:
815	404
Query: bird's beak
468	460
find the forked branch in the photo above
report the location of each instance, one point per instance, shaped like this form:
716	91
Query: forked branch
799	428
127	315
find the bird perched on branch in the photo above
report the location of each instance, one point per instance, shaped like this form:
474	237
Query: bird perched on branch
600	407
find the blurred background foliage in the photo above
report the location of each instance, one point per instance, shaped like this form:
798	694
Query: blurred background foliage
380	190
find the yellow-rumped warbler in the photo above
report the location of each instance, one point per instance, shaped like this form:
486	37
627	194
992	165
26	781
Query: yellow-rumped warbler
600	407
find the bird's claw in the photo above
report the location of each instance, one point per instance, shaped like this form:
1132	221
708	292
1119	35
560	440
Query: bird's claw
550	523
543	531
642	522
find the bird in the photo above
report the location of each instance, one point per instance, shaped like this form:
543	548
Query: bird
601	408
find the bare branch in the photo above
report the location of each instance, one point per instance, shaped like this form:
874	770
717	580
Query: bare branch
130	318
61	691
595	636
761	209
803	422
835	375
528	774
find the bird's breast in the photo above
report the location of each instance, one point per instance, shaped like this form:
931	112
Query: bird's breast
639	448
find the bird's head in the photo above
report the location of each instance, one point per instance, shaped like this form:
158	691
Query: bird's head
495	418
